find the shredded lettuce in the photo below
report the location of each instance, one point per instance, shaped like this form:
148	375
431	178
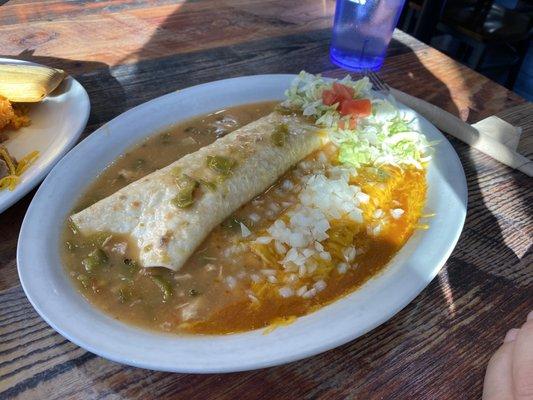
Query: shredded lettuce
385	137
305	93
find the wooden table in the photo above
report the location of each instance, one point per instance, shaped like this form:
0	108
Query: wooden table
126	52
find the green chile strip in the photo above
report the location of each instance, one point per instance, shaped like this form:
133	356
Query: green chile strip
185	196
221	165
279	136
95	259
163	285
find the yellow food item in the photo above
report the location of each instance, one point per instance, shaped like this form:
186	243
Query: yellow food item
12	117
6	112
15	169
28	83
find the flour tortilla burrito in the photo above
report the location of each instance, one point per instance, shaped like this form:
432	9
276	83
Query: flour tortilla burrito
168	213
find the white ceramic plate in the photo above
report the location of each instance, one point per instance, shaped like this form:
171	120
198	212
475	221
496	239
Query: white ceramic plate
56	124
57	301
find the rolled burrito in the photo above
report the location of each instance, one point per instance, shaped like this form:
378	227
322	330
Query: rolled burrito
169	212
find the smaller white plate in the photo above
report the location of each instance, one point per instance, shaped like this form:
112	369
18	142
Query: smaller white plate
56	124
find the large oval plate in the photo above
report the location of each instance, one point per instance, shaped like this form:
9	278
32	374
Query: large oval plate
56	124
55	298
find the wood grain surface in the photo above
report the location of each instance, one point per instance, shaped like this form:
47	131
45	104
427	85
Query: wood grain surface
126	52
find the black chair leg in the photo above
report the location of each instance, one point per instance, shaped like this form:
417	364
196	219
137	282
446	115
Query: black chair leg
475	60
428	19
521	50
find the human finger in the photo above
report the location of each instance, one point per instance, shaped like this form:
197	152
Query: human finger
522	361
498	384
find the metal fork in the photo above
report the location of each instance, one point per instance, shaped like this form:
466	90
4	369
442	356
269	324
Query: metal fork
377	83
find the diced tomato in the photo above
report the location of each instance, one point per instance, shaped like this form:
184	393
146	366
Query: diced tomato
343	91
347	104
357	107
338	94
328	97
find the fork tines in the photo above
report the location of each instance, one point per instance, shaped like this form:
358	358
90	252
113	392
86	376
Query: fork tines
377	82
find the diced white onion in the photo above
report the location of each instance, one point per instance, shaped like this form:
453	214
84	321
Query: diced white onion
263	239
396	213
245	232
268	272
349	253
254	217
286	292
342	268
287	185
300	292
320	285
231	282
378	213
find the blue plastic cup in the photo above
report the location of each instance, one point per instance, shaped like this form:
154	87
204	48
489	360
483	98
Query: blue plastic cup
362	31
